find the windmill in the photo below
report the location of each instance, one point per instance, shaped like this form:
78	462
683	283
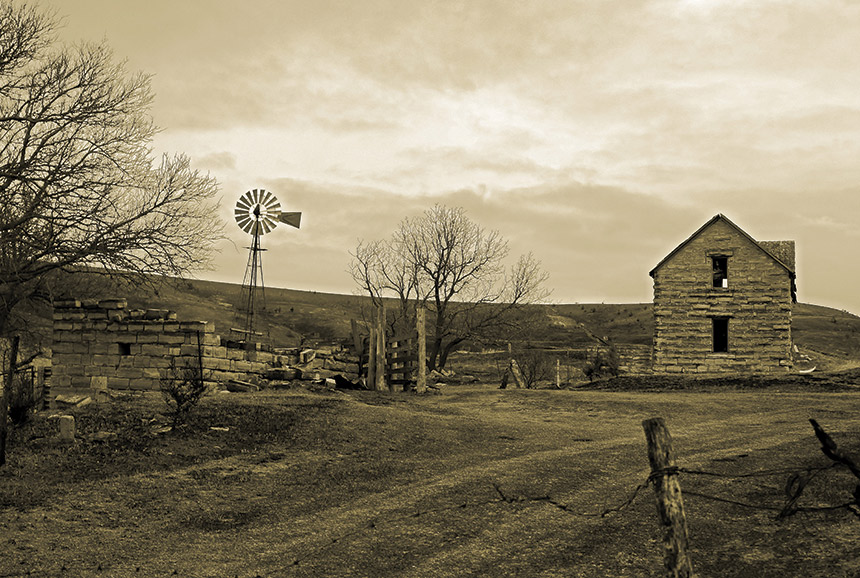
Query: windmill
257	213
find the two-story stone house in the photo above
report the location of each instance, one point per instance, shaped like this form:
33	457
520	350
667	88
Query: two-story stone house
722	303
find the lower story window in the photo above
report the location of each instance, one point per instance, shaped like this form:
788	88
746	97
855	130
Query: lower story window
721	334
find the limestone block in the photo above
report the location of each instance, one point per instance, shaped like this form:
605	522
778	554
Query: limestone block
141	361
117	382
73	315
67	428
153	327
146	338
235	354
62	347
241	366
188	350
171	327
106	360
67	359
152	373
193	326
80	381
155	314
153	349
215	351
219	364
171	338
60	380
128	372
143	384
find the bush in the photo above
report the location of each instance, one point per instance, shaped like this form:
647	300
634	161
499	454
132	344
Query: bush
535	366
22	400
182	387
604	364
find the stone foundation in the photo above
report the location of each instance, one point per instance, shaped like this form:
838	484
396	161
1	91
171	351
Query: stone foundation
103	341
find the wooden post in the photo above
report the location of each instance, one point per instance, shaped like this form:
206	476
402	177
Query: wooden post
670	503
558	373
12	360
356	337
516	373
421	380
371	355
380	348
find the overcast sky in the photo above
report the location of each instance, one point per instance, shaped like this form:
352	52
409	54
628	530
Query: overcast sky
598	135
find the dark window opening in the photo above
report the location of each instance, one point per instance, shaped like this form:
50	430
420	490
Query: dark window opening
124	348
721	271
721	334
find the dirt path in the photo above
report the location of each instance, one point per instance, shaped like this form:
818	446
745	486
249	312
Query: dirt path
474	482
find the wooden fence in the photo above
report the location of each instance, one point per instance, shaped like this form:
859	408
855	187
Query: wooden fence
396	363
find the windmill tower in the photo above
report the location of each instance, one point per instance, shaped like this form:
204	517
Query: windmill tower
257	213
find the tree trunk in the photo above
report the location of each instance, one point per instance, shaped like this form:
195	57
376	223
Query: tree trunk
9	373
446	351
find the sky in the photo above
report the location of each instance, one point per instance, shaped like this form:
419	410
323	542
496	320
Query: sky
597	135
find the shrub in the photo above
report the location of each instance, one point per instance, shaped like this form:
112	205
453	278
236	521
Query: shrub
604	364
22	400
535	366
182	387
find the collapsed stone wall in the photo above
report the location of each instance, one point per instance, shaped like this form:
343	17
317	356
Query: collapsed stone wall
756	301
98	341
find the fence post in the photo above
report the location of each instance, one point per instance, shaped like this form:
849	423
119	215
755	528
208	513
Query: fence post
421	381
380	348
670	503
558	373
371	355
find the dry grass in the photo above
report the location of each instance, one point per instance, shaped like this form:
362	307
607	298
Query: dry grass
467	483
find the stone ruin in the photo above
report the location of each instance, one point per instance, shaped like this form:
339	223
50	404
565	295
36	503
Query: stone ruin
101	344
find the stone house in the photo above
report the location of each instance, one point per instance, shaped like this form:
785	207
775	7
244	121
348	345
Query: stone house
722	303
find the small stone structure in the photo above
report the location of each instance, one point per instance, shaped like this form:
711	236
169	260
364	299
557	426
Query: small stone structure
722	303
100	344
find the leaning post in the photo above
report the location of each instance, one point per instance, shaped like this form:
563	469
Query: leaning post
670	503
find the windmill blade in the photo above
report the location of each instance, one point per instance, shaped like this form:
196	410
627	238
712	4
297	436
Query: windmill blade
268	224
291	219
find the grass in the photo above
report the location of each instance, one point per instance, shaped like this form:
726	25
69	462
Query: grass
471	482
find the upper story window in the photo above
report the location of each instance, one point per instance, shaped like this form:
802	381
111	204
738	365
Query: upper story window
721	271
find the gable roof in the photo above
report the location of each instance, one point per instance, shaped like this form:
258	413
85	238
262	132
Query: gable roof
723	218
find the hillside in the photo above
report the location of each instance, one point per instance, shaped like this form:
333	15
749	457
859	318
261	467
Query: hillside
295	317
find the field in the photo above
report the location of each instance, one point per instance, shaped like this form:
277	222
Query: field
472	481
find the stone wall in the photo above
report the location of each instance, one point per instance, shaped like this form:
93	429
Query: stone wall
757	303
104	342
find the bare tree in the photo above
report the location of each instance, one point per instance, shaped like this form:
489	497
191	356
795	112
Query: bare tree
444	261
78	184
